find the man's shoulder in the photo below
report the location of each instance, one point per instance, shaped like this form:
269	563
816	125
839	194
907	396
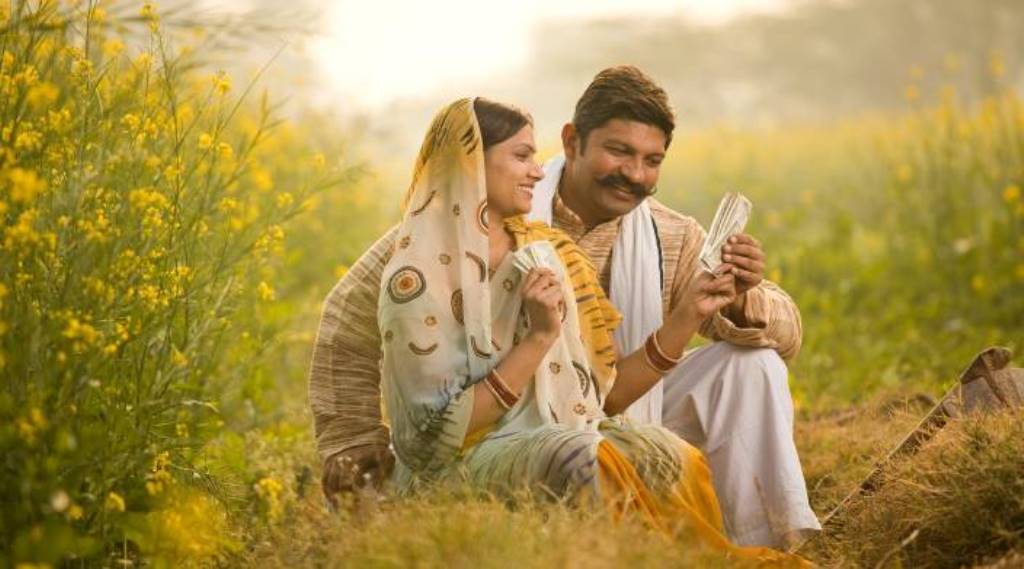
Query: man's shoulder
672	222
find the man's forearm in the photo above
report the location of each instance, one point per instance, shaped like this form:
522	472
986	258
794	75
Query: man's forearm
768	318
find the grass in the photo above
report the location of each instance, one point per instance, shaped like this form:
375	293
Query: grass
961	498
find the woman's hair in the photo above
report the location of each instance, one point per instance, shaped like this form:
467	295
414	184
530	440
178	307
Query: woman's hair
498	121
623	92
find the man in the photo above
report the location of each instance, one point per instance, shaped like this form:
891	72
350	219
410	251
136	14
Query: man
730	398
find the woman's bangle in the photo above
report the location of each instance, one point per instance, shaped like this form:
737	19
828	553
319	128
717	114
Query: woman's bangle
500	389
655	358
495	394
661	352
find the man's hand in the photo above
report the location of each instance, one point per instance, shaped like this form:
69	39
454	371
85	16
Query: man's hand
352	469
744	253
705	294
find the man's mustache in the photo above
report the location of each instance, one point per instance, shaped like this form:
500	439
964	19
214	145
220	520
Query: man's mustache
620	182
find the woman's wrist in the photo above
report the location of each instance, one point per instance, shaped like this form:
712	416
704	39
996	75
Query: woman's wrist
683	320
542	340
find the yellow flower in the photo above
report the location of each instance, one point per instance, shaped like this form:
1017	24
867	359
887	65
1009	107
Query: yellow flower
340	271
98	15
114	502
147	197
159	477
23	232
979	283
42	95
149	14
81	334
1011	194
130	121
205	141
75	512
178	358
25	185
28	140
172	171
221	83
150	295
284	200
265	291
112	47
227	205
224	150
269	490
261	178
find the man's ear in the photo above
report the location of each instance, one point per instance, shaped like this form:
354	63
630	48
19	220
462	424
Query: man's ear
569	140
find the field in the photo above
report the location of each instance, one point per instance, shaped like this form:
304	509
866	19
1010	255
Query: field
166	240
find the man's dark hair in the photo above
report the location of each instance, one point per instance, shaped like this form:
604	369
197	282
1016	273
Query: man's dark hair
623	92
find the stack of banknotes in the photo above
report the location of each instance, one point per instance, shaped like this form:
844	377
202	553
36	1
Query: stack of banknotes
730	219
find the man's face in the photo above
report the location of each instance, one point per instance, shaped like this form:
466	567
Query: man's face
618	166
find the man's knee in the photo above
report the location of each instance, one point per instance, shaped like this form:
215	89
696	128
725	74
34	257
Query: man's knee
761	365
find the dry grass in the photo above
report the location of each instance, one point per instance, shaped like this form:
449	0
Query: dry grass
961	498
463	531
958	502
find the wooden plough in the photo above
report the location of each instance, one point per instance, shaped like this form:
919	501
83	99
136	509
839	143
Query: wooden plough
988	384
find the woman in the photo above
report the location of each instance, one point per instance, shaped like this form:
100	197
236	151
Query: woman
499	367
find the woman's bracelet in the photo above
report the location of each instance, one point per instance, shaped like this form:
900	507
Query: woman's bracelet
661	352
506	398
656	358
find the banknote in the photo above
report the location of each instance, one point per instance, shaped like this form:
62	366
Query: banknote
730	219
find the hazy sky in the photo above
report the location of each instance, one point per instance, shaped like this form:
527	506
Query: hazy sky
376	51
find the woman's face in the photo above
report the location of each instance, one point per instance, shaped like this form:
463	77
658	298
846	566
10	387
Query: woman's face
511	174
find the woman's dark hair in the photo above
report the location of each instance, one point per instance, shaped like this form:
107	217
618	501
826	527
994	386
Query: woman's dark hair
498	121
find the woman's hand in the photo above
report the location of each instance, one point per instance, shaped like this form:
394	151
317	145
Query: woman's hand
542	297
